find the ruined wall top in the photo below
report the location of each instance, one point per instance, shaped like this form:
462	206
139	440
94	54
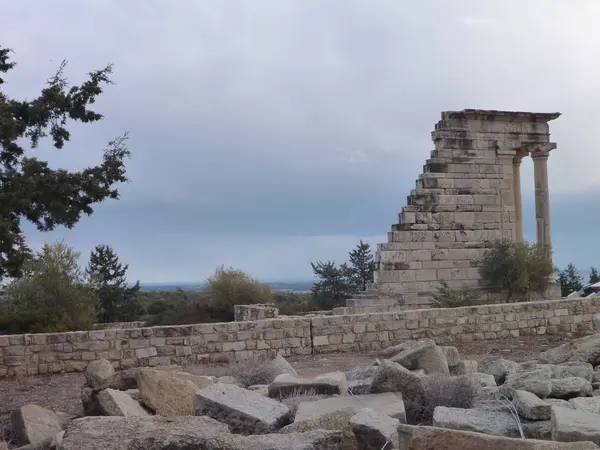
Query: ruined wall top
504	116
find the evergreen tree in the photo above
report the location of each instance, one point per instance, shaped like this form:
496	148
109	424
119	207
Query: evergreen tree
29	188
570	280
334	284
362	265
594	276
117	301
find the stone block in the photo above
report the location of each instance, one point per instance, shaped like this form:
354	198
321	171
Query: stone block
328	384
374	430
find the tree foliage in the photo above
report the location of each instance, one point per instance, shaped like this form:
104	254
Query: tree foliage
334	285
518	268
52	295
570	280
447	297
229	287
362	265
117	302
594	276
29	188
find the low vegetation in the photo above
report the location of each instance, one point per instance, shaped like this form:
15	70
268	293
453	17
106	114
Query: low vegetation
447	297
247	372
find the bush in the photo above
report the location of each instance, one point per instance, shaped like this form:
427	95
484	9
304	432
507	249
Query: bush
229	287
439	390
455	298
248	372
519	268
51	296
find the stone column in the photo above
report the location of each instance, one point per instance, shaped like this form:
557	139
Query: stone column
539	154
517	193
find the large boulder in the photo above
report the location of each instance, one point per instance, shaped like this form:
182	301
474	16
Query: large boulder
393	377
389	403
336	420
572	425
589	404
99	373
566	388
374	430
559	402
431	438
33	424
494	422
119	403
537	382
286	385
452	355
530	406
502	368
127	379
586	349
169	393
182	433
466	366
245	412
279	365
480	379
426	356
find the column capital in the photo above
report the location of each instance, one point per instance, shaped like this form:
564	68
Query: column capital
539	150
519	155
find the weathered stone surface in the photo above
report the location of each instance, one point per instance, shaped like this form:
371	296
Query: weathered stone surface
360	387
228	379
361	372
586	349
431	438
336	420
134	394
406	345
572	369
537	382
425	355
293	402
99	373
466	366
326	384
572	425
374	431
559	402
570	387
389	403
33	424
481	379
119	403
530	406
279	365
589	404
392	377
182	433
497	423
245	412
452	355
127	379
502	368
167	393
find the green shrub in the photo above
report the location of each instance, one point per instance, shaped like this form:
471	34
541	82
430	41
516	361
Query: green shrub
229	287
455	298
518	268
51	296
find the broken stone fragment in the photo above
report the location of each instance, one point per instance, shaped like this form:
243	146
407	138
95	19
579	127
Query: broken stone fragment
33	424
99	373
374	431
530	406
332	383
119	403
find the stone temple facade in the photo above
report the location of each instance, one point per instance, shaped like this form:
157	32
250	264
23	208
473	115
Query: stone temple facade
468	196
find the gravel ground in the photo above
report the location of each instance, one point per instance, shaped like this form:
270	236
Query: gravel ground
62	392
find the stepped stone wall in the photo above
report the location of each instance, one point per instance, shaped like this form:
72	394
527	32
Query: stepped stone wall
33	354
465	199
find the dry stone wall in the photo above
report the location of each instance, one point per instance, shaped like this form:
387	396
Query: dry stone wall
33	354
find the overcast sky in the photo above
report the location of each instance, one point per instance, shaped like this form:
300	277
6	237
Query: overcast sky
270	133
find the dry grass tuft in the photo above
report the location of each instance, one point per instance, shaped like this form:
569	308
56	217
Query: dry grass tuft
248	372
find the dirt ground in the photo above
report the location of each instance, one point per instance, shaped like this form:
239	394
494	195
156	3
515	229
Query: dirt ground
62	392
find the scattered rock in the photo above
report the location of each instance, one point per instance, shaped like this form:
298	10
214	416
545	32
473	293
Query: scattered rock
466	366
589	404
586	349
118	403
127	379
502	368
293	402
389	403
279	365
227	379
392	377
572	425
33	424
89	400
452	355
570	387
481	379
134	394
245	412
406	345
559	402
327	384
426	355
336	420
537	382
530	406
497	423
431	438
167	393
99	373
374	431
360	387
526	366
361	372
182	433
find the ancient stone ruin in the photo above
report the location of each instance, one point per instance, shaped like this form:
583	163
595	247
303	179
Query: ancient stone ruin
468	196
